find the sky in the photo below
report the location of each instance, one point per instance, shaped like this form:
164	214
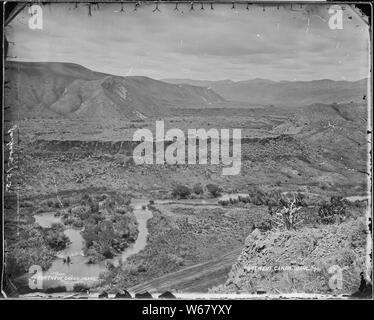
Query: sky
223	43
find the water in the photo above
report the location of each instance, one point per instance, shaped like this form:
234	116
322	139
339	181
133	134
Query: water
45	220
208	201
234	196
142	215
78	270
357	198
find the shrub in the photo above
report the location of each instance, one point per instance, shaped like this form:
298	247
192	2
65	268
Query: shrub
57	213
95	218
26	204
77	223
121	210
68	220
181	191
66	202
50	203
57	205
287	214
213	189
110	266
333	211
198	189
57	226
107	252
86	197
56	240
78	210
94	207
224	202
101	197
86	200
264	225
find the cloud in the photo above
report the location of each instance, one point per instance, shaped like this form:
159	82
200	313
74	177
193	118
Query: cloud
215	44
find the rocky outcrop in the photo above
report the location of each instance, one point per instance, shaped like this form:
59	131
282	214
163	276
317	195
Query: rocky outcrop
304	261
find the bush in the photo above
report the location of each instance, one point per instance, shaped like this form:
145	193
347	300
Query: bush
80	211
68	220
57	226
181	191
333	211
198	189
287	214
101	197
213	189
26	204
94	207
57	205
50	203
77	223
57	240
107	252
121	210
57	213
264	226
95	218
86	200
66	202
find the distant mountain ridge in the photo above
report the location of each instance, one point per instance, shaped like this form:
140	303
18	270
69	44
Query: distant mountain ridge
69	90
54	89
284	93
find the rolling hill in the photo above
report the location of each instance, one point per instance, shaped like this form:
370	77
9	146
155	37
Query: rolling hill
44	90
284	93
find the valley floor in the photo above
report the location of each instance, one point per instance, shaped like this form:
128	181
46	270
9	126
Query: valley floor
191	247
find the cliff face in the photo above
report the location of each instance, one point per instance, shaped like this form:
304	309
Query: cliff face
125	146
302	261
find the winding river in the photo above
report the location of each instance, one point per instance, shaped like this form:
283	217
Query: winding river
78	270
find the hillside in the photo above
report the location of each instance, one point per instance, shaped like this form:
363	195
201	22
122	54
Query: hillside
284	93
47	90
307	253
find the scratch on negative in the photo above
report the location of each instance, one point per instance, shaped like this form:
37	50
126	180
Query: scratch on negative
10	145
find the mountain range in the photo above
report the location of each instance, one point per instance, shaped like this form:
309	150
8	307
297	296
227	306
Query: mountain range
69	90
54	89
284	93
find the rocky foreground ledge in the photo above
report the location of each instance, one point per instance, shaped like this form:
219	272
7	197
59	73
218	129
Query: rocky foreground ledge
302	261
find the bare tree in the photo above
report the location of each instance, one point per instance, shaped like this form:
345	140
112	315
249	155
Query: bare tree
287	214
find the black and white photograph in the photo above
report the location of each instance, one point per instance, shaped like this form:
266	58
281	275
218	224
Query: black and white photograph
187	150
